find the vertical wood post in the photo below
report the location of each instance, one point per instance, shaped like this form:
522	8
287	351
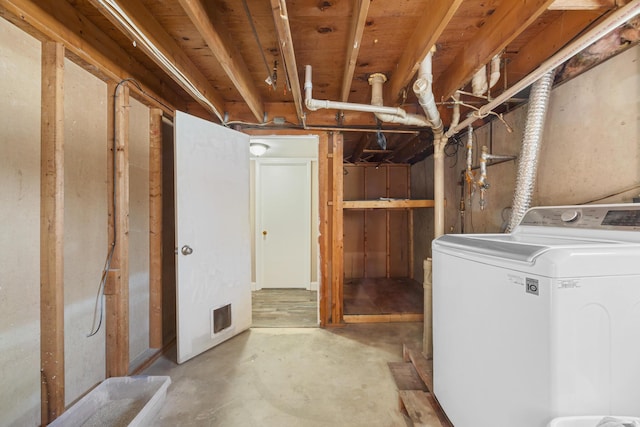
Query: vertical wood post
324	187
155	228
117	286
51	232
337	270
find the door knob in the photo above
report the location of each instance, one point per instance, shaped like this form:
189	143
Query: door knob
186	250
264	232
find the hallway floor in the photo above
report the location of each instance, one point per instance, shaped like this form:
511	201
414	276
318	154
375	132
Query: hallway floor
290	377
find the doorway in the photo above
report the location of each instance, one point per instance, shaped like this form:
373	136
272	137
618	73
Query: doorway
285	235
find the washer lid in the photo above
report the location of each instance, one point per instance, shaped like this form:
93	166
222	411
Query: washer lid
486	245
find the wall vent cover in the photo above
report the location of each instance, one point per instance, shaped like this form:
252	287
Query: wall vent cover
221	318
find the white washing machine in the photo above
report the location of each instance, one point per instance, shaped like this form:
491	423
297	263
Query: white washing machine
540	323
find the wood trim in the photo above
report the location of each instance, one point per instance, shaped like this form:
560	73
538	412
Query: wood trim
325	229
383	318
583	5
165	43
508	21
52	232
387	204
337	241
285	43
87	46
429	29
155	228
117	287
358	20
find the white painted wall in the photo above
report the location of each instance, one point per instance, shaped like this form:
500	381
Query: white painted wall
85	226
591	149
20	225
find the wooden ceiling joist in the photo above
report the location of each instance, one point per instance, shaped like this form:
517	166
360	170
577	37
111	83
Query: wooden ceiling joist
217	38
427	32
556	35
363	142
361	9
285	43
167	46
86	44
508	21
582	5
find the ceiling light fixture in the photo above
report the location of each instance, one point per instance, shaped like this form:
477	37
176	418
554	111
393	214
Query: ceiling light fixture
258	149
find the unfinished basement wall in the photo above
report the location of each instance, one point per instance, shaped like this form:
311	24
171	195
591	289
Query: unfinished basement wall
20	219
590	152
138	231
85	227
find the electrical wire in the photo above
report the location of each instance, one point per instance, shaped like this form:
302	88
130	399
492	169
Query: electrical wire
612	195
255	35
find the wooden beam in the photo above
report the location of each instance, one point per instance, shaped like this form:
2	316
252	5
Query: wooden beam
324	188
359	18
555	36
435	19
508	21
285	43
146	23
214	33
582	5
337	269
117	286
87	45
52	231
155	228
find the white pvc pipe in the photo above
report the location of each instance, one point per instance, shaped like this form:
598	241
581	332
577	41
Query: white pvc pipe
376	81
495	71
479	83
423	90
438	186
316	104
611	22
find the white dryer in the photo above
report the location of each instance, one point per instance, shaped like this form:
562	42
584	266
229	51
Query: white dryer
540	323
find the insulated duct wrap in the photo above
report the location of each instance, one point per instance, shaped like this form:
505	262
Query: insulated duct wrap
530	151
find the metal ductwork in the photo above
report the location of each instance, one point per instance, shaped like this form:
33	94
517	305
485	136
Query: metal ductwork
530	151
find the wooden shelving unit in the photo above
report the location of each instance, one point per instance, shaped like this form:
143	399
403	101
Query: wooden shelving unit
387	204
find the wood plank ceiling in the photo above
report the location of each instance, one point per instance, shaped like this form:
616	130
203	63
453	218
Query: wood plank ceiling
218	56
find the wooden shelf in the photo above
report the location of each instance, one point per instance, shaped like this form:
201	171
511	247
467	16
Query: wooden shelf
387	204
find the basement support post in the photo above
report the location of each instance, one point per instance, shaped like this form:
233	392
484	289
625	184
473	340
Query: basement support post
51	232
155	228
337	270
324	187
117	286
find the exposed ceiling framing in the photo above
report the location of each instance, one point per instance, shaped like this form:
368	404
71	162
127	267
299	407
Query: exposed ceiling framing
209	57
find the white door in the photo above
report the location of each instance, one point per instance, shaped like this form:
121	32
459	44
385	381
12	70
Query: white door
212	234
283	231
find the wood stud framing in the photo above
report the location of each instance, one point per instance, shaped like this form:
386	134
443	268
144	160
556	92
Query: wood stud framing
155	228
359	18
337	237
51	232
117	286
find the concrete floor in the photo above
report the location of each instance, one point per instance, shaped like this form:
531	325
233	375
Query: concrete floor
290	377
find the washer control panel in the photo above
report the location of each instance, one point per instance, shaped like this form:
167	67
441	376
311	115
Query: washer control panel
608	217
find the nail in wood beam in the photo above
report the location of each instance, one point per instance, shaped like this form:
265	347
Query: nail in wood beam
117	286
51	232
155	228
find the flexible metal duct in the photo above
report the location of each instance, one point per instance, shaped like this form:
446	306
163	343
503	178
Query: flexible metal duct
529	153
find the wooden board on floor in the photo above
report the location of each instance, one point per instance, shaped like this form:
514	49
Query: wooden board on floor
406	376
424	366
419	409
